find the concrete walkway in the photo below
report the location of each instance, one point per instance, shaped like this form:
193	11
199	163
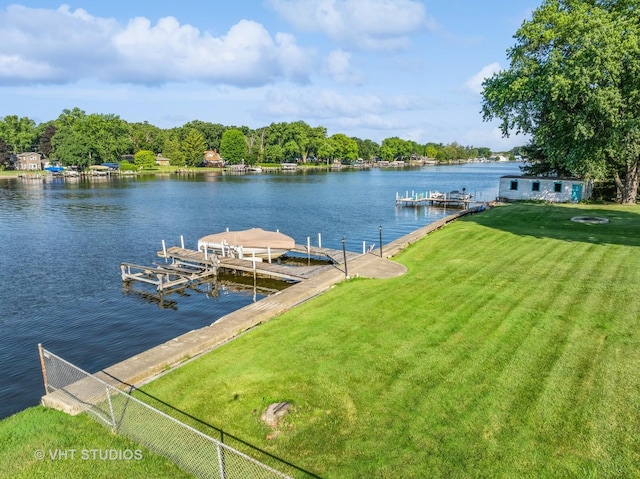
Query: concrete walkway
147	365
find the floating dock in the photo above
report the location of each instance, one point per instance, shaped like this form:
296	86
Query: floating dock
435	198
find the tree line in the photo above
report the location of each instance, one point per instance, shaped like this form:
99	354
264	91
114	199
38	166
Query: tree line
81	139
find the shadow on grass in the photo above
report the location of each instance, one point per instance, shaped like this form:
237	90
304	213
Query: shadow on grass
218	433
543	220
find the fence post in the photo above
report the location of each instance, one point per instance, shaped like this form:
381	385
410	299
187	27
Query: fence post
344	253
44	369
220	461
113	416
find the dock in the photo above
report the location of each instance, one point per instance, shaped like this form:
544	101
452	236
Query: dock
435	198
168	277
147	365
184	267
332	255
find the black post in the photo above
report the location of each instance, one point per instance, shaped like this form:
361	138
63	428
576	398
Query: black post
344	253
380	230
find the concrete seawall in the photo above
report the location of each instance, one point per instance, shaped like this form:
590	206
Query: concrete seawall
147	365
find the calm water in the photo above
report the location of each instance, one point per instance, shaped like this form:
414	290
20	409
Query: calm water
62	242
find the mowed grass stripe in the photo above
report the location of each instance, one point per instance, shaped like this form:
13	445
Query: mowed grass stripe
507	350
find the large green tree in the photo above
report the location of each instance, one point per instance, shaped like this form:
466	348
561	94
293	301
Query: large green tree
233	146
193	147
343	147
145	136
173	151
573	85
212	132
367	149
19	133
85	140
395	148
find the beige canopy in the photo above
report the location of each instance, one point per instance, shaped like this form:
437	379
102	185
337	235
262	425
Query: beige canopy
252	238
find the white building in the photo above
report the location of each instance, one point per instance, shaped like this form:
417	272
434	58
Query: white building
552	189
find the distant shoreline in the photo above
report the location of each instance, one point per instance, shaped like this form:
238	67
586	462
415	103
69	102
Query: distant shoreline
266	167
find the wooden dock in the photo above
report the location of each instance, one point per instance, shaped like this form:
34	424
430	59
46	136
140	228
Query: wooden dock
184	267
335	256
435	198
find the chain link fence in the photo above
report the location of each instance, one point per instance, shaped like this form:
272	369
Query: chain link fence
193	451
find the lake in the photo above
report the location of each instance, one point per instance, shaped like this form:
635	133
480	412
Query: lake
62	242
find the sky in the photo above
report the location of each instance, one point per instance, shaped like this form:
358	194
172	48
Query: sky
372	69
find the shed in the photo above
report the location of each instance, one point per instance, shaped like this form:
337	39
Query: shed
545	188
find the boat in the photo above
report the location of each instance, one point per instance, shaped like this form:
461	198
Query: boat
54	169
247	244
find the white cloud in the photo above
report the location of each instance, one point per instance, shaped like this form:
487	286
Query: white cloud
338	65
475	82
342	111
83	46
368	24
295	62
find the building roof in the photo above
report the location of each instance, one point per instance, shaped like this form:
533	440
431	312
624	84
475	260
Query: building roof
547	178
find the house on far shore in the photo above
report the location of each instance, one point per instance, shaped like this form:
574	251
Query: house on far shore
212	159
544	188
29	161
162	161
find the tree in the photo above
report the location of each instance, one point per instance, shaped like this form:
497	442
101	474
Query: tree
233	146
484	152
212	132
431	150
173	151
193	147
256	147
70	144
86	140
5	154
326	150
145	159
343	147
18	133
109	137
45	140
144	136
574	86
273	153
367	149
394	148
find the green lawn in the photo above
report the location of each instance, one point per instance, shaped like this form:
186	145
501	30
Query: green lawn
509	349
39	443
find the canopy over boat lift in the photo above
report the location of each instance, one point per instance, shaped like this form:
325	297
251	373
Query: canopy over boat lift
254	242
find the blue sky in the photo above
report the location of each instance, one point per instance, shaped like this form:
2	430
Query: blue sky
367	68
